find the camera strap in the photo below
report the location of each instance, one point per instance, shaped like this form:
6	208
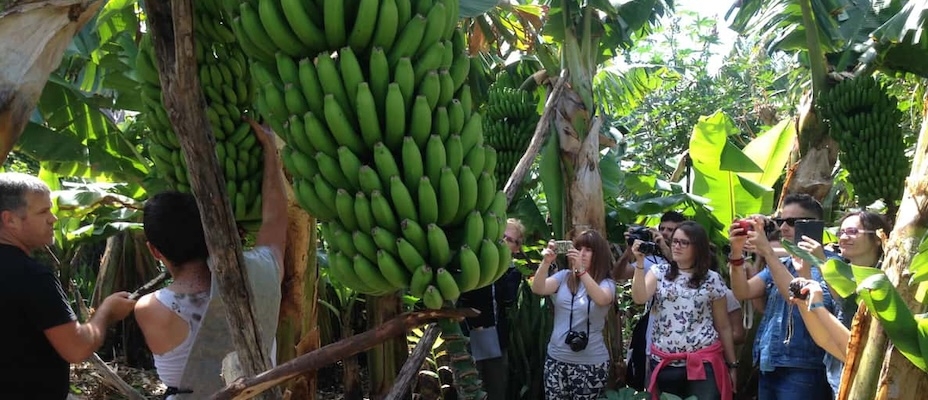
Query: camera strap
570	323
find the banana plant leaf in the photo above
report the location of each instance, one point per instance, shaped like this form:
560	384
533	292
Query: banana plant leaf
781	22
842	277
909	336
770	150
716	167
919	265
473	8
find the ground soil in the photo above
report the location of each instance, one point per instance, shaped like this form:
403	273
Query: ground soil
87	384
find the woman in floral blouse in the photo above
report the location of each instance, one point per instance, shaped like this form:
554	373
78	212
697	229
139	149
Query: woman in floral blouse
692	352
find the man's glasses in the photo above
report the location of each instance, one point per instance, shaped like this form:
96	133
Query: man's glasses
790	221
680	242
852	231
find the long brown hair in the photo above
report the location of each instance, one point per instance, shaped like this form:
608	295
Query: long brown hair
703	259
600	262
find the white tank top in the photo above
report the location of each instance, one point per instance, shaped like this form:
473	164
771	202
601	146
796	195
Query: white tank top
190	308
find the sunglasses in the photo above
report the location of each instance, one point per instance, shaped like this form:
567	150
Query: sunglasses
790	221
852	231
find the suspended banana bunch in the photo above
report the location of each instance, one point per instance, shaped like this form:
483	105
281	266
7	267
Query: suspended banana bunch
865	122
226	85
383	141
511	117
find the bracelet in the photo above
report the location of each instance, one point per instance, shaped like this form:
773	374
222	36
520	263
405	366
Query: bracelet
736	262
817	304
731	365
579	273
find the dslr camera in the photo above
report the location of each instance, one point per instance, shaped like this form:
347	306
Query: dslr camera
576	340
647	246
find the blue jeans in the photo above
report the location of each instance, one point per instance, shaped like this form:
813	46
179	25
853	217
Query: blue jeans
793	383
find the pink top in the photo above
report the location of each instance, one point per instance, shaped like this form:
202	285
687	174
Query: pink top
694	367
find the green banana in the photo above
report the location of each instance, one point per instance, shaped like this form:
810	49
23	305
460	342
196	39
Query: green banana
413	168
371	275
387	25
486	191
365	245
415	234
449	196
334	15
350	165
331	81
467	183
489	262
395	116
474	229
304	166
428	202
455	153
456	117
363	213
367	115
472	134
294	101
342	240
344	207
430	88
309	84
343	269
318	134
421	279
446	284
331	171
469	277
434	26
491	226
383	213
431	298
352	74
408	39
384	239
441	126
278	29
402	199
405	76
409	255
385	163
439	249
254	31
436	158
391	270
364	24
420	124
300	21
379	76
340	126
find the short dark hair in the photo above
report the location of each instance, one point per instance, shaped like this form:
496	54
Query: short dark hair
673	216
14	186
172	225
807	203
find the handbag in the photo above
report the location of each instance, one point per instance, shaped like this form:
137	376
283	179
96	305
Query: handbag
484	341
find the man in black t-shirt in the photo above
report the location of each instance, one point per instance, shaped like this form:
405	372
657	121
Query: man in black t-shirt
41	335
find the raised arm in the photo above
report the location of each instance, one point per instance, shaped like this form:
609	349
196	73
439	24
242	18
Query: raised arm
273	231
826	330
74	341
644	283
542	284
741	285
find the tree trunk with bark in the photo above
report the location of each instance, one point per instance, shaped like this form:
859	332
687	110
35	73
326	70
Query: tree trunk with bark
386	359
899	379
33	37
171	25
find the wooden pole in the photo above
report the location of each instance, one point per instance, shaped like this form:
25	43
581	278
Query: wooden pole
246	388
413	364
538	139
171	25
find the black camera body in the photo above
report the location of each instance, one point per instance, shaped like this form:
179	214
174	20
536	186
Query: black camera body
647	246
795	289
577	340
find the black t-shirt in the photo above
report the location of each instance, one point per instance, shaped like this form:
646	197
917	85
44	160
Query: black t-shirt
506	290
33	301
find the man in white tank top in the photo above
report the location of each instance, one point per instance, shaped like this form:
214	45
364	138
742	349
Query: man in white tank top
171	318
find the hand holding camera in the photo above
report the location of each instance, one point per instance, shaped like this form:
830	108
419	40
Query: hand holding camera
805	290
646	246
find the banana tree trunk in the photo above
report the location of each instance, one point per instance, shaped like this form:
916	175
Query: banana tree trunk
899	379
33	37
297	332
817	155
386	359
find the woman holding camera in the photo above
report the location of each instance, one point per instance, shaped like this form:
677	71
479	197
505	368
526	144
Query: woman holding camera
692	353
577	366
860	245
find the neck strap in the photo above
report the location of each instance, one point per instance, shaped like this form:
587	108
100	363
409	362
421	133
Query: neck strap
570	323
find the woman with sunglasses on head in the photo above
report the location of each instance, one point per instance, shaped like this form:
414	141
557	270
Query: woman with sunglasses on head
692	353
577	366
860	245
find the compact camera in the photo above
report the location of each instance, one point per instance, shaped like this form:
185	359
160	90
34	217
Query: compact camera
576	340
748	225
647	246
795	289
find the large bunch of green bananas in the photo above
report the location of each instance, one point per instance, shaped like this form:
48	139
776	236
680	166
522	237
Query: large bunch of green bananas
382	140
865	122
511	117
226	85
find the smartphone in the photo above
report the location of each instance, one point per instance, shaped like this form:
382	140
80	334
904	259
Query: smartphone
561	246
814	229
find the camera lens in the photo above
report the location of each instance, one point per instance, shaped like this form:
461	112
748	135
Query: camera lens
795	289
